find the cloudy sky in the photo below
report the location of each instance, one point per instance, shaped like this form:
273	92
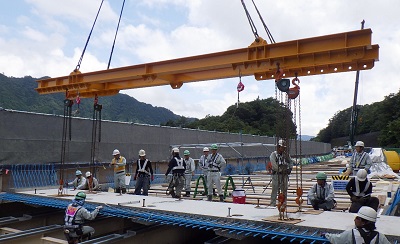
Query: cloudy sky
46	38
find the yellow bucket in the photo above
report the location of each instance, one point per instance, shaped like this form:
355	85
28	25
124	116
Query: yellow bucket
393	159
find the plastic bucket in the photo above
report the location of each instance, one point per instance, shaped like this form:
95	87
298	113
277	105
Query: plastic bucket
239	196
128	179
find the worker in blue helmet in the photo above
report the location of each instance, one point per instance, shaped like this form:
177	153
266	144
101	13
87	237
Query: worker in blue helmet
75	216
79	183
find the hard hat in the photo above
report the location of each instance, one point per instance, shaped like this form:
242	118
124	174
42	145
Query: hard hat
214	147
78	172
175	150
320	176
186	152
88	174
281	143
142	153
115	152
361	175
367	213
359	144
206	149
80	196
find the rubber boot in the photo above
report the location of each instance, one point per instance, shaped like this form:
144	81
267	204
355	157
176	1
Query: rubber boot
209	198
221	198
187	194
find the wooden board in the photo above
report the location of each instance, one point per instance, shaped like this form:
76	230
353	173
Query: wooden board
276	219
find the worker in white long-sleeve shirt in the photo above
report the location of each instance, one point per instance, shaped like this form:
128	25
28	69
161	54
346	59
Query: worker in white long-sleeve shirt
189	171
79	183
215	164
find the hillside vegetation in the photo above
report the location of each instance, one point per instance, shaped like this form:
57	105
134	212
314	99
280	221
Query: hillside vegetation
20	94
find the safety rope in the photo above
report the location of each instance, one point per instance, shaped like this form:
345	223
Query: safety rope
265	26
115	37
87	41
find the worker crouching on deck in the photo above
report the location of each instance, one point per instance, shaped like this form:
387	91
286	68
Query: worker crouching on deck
79	183
215	163
92	184
177	165
75	216
321	195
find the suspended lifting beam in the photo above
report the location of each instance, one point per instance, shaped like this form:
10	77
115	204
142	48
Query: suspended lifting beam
349	51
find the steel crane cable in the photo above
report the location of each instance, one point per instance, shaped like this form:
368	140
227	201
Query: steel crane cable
252	25
87	41
115	37
265	26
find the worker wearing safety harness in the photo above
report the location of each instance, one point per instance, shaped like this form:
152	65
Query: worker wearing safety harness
144	172
75	216
282	166
177	165
79	183
215	163
365	231
321	195
119	163
189	171
359	190
91	182
360	159
203	166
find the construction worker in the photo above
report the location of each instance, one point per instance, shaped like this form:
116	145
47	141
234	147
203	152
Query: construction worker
75	216
79	183
282	166
189	171
215	163
119	163
177	165
321	195
91	182
203	165
359	189
364	231
143	175
359	159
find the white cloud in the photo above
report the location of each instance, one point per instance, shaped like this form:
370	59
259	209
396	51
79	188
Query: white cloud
48	40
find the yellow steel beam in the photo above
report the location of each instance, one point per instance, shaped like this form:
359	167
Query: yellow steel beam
334	53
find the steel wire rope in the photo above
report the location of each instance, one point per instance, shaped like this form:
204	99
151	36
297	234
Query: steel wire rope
252	25
271	38
87	41
116	32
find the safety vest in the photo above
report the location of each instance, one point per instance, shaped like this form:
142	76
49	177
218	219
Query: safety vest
359	238
118	168
212	163
70	215
203	162
142	168
358	192
320	192
179	163
358	160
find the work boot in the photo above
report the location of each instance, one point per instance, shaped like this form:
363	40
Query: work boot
123	190
187	194
221	198
173	194
209	198
203	193
117	190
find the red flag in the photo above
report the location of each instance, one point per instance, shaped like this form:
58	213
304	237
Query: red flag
240	87
78	100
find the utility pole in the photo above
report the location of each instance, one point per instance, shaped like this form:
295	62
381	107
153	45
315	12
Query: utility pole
354	110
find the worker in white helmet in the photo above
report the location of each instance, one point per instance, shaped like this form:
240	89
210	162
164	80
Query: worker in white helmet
282	166
92	184
189	171
364	231
203	166
143	175
359	189
119	163
79	183
177	166
215	164
360	159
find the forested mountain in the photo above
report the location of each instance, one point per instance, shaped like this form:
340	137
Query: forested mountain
381	117
257	117
20	94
